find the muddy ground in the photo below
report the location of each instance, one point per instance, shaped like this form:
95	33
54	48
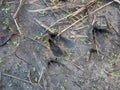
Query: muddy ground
88	57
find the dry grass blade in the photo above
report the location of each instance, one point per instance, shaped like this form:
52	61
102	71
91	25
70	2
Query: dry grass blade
84	17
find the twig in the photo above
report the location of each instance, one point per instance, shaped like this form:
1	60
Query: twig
109	24
60	20
23	80
83	8
56	7
85	26
118	1
94	20
50	9
80	67
18	28
18	9
73	14
85	17
43	25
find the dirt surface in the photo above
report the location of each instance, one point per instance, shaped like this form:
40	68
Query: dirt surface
85	57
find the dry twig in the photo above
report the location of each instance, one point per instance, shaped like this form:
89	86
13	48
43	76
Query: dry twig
118	1
74	13
18	9
18	28
56	7
23	80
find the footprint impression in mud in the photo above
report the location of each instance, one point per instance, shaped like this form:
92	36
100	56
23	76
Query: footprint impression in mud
54	42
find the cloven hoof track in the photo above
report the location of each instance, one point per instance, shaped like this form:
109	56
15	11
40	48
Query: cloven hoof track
54	41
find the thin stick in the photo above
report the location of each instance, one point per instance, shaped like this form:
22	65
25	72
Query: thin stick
18	9
60	20
85	26
43	25
85	17
23	80
56	7
84	7
18	28
118	1
50	9
73	14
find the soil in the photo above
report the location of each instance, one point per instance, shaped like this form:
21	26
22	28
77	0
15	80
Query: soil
84	58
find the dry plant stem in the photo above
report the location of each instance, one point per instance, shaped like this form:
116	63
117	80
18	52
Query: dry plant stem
118	1
60	20
18	9
56	7
43	25
48	6
23	80
85	17
85	26
84	7
78	66
94	19
18	28
109	24
72	14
